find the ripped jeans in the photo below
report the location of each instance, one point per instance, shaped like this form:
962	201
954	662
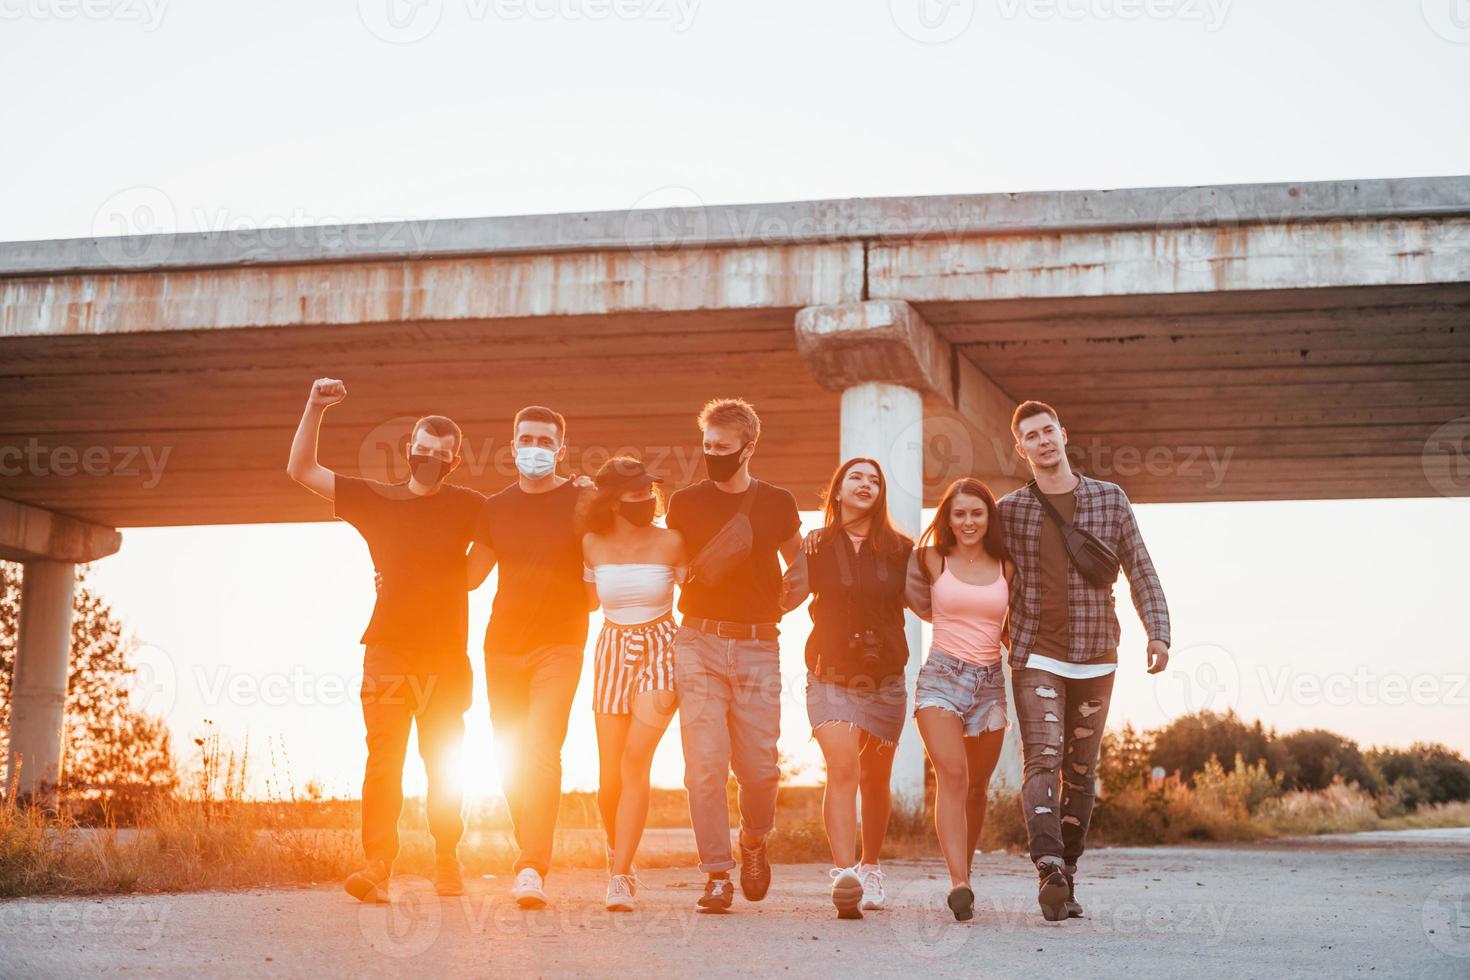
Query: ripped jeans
1061	724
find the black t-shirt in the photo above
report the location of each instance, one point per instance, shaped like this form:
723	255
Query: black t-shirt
751	593
418	545
540	600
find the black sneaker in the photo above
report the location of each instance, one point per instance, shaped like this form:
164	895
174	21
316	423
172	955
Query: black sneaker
1051	894
755	872
448	878
962	903
718	895
1074	907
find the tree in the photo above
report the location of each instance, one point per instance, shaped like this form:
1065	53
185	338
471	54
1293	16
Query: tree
1125	759
1187	743
1319	756
1423	774
113	753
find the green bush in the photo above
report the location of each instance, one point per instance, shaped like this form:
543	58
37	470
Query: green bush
1424	774
1320	758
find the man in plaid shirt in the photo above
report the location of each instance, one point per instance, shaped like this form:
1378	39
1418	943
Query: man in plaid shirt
1064	644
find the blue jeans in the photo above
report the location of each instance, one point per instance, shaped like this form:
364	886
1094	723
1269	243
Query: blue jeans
729	718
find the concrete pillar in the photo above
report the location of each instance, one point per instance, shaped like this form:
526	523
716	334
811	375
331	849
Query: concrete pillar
38	688
891	367
885	422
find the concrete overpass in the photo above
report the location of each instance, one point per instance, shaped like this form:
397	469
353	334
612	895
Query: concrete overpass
1249	342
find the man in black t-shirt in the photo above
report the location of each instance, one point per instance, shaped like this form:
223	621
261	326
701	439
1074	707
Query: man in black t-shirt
415	666
538	627
727	663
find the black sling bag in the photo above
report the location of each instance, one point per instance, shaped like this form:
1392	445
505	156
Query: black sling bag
1094	560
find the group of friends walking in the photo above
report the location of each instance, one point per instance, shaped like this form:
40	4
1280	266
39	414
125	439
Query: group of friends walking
1028	577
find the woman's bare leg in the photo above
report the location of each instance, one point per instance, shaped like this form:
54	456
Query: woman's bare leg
612	735
875	770
841	748
652	712
944	739
982	752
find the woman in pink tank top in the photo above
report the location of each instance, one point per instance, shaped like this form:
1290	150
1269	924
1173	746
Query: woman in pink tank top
960	579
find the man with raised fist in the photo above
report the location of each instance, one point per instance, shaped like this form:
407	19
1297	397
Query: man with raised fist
415	666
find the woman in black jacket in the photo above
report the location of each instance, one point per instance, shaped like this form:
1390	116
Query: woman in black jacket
855	566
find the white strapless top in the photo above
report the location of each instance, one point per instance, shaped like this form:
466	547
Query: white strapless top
634	592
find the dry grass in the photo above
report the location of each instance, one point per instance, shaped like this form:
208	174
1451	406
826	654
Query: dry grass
214	839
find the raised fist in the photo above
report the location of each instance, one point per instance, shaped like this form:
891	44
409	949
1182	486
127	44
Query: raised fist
327	391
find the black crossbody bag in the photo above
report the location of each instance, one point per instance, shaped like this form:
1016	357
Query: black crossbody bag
1094	560
730	546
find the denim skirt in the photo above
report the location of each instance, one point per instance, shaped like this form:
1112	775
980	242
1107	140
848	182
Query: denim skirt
878	710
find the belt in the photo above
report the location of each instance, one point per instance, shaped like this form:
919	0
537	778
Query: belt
734	631
665	618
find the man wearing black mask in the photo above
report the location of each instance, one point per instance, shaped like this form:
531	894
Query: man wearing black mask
415	666
727	663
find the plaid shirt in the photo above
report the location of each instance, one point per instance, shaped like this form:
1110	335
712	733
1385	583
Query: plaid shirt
1103	510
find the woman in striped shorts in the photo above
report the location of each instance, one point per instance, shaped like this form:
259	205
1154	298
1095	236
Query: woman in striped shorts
632	566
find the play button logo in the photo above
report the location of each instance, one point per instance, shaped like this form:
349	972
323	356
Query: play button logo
932	21
1450	19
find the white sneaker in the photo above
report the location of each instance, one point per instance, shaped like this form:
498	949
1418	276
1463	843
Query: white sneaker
620	889
872	878
528	889
847	893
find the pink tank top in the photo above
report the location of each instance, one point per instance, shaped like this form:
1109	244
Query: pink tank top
968	618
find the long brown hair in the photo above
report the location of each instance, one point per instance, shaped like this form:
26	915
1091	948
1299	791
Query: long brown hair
886	538
940	534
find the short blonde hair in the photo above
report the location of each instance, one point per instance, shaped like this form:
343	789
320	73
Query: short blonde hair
736	413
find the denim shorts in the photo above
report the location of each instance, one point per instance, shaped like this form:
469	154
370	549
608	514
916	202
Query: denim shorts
977	694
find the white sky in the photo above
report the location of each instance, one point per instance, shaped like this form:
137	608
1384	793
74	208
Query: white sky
126	115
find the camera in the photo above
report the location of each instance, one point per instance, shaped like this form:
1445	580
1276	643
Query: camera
868	645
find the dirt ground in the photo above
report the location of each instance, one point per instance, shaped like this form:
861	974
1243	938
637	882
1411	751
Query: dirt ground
1390	904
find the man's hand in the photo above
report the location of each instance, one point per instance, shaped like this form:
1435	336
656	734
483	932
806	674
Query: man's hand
810	542
1158	656
326	392
584	482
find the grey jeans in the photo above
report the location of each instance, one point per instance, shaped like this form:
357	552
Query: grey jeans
729	718
1061	732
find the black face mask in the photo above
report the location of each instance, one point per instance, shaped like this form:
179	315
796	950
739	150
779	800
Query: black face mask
722	468
638	513
427	470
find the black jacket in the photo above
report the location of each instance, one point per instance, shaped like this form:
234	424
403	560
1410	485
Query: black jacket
873	601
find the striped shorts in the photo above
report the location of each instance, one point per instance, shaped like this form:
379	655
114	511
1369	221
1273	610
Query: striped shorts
631	660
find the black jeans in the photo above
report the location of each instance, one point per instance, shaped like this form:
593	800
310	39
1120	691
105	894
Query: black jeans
1061	731
400	689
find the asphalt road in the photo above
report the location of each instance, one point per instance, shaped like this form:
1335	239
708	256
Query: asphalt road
1383	904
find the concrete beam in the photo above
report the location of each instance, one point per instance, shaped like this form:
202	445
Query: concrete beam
489	287
29	533
38	691
1221	256
672	229
886	342
967	417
